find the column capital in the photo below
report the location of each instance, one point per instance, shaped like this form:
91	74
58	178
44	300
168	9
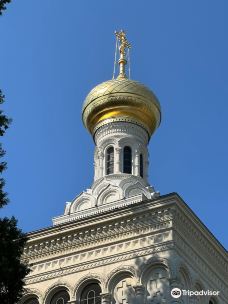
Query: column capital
139	289
137	152
105	298
118	149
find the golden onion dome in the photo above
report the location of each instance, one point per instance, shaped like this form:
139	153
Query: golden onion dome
121	99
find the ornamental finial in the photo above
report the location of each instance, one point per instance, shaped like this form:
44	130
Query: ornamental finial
123	45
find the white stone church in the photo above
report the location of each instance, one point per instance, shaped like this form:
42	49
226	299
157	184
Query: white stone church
121	242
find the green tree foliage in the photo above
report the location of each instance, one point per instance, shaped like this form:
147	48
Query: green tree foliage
12	240
12	269
3	5
4	124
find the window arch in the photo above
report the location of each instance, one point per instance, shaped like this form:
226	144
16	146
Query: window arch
141	165
156	280
60	297
127	160
91	294
110	161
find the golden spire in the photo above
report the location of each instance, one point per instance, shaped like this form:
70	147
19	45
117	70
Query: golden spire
123	44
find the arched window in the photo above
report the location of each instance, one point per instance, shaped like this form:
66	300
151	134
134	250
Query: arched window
91	294
127	160
32	300
60	297
110	161
141	165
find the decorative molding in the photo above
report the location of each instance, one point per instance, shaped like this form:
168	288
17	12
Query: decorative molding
89	277
107	251
156	226
95	199
30	293
117	128
157	261
132	225
111	260
184	226
200	266
126	269
59	285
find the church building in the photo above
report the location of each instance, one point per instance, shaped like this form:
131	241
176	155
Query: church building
121	242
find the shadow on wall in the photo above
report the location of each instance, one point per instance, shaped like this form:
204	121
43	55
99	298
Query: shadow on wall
146	279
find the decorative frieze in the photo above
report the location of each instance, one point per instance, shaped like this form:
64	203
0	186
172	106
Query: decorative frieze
90	265
78	239
107	251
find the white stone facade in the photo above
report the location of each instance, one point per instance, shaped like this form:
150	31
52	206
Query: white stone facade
119	135
136	253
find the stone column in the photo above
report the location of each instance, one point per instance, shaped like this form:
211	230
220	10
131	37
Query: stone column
117	164
137	164
105	298
139	294
100	162
146	165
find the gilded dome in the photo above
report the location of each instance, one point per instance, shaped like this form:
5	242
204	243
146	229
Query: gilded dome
121	99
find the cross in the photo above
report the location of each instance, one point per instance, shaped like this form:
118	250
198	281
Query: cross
123	44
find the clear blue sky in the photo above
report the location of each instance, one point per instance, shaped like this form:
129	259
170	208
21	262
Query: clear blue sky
54	52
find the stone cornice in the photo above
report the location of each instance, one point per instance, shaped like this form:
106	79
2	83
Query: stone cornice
185	216
99	262
97	210
122	223
195	239
121	127
159	203
100	234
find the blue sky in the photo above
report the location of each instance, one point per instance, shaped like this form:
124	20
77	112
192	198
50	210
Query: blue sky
53	53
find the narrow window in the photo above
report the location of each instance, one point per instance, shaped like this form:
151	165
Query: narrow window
141	165
91	294
127	160
110	161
